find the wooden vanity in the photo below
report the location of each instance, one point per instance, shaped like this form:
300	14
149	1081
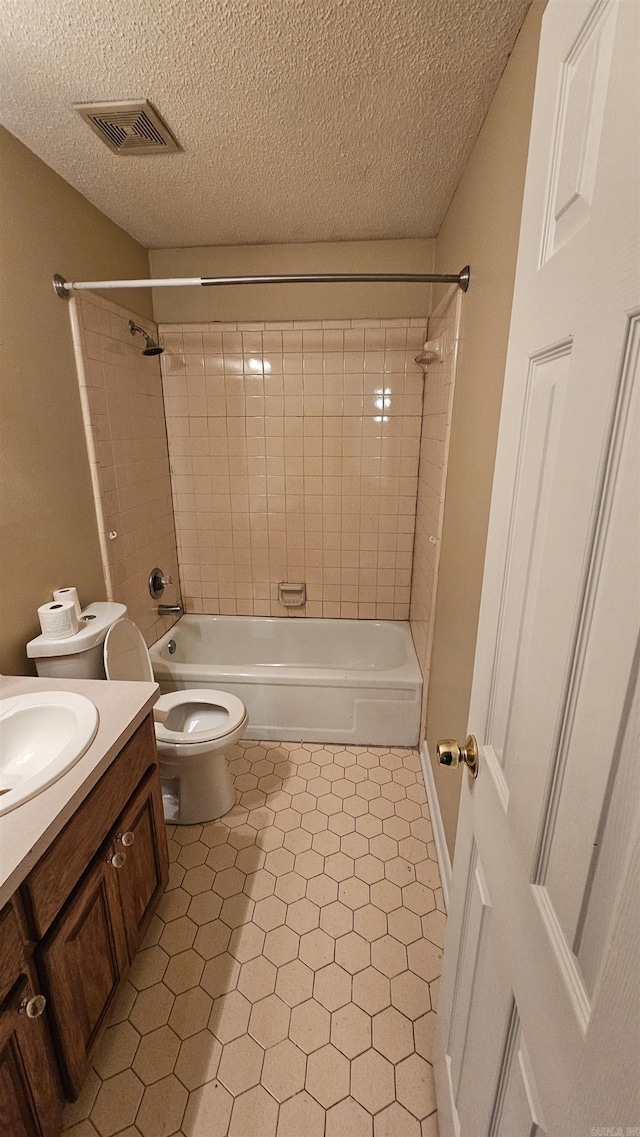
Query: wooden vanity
70	931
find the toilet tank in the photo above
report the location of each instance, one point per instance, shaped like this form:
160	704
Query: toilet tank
79	656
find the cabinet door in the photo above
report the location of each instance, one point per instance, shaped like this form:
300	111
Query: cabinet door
142	838
83	959
30	1093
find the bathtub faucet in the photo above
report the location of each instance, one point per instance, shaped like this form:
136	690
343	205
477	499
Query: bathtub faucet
170	610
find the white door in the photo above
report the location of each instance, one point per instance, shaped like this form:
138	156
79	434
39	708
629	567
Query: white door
540	1007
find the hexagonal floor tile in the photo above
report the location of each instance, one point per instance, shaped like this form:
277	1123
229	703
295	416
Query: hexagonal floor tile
353	952
198	1059
372	1081
327	1075
303	916
425	959
332	986
395	1121
371	990
269	1022
156	1055
310	1026
190	1012
283	1071
257	979
351	1030
316	949
392	1034
295	982
301	1115
410	994
162	1107
229	1016
415	1086
336	919
240	1065
254	1112
348	1117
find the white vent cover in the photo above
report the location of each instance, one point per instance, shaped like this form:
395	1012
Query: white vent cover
131	127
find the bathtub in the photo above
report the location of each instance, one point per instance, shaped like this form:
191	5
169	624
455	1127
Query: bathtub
302	680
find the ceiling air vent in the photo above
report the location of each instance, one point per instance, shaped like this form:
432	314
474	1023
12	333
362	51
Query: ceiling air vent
131	127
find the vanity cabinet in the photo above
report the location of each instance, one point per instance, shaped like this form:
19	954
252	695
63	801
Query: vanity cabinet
85	907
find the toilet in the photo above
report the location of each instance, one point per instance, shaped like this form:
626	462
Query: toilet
194	728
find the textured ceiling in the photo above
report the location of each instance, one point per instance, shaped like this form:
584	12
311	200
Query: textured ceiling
301	120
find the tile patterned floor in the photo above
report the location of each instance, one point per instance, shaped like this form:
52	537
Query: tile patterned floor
287	986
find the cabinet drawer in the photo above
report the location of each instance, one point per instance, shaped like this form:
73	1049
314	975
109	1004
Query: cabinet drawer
59	870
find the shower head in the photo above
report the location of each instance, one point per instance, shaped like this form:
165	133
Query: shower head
152	347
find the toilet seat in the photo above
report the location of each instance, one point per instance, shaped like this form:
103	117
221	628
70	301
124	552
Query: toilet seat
194	716
206	714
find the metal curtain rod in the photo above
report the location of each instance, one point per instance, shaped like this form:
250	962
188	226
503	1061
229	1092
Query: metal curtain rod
64	288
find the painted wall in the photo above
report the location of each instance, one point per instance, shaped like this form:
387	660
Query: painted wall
294	457
482	228
123	411
48	533
294	301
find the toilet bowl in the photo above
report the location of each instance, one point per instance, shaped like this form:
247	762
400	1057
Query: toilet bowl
194	728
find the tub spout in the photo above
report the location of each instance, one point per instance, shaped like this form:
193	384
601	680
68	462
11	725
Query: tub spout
170	610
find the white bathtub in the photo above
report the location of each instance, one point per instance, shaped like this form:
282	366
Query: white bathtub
350	681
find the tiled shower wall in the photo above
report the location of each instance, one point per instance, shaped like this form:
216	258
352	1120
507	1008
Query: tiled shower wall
122	405
294	457
434	445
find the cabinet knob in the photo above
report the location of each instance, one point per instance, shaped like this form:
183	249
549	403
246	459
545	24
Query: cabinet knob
127	838
33	1007
116	859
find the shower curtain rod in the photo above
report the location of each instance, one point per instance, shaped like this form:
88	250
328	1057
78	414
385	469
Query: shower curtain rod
64	288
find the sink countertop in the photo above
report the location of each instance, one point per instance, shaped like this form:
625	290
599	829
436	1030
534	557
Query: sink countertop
28	830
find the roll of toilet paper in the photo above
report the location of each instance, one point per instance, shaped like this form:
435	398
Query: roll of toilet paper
68	594
58	619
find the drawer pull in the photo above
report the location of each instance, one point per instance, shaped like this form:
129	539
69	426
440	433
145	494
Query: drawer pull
126	838
33	1007
116	859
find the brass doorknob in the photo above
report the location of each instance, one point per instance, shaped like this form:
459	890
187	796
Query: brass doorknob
450	754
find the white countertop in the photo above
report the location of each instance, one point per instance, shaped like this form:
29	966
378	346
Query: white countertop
27	831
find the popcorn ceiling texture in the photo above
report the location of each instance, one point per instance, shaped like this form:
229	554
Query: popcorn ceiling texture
334	120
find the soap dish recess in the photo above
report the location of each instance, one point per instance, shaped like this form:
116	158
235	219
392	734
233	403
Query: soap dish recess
292	595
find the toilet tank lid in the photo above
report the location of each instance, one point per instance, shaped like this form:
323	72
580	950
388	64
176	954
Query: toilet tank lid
95	621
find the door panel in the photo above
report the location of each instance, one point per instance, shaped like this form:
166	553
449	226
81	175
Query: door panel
542	948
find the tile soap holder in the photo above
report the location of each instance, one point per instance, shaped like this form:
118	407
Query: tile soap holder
292	595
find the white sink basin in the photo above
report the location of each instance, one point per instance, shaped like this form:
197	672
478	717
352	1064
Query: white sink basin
41	736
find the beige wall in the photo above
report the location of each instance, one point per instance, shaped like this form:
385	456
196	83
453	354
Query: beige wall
48	533
481	227
294	301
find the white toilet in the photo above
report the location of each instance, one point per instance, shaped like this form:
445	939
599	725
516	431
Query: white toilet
194	728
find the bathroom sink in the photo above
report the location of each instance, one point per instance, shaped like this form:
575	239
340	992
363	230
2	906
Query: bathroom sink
41	736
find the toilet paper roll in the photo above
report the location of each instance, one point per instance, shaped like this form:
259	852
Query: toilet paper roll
68	594
58	619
